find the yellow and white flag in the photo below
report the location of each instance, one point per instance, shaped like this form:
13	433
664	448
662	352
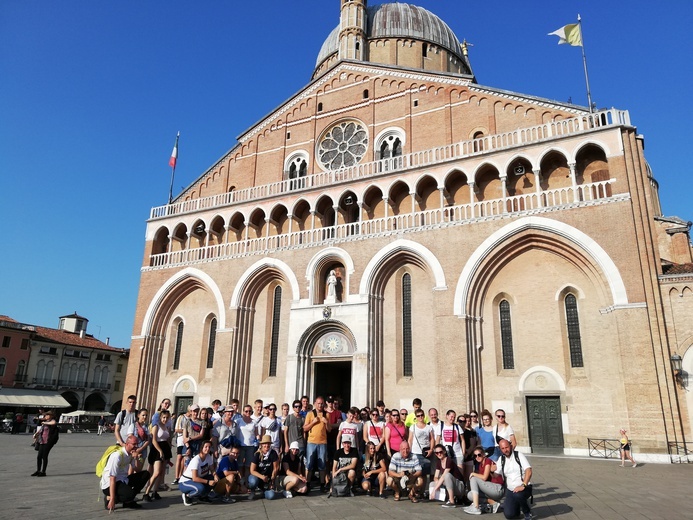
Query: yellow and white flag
569	34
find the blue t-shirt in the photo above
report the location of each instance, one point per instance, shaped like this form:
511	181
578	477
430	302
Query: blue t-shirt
226	464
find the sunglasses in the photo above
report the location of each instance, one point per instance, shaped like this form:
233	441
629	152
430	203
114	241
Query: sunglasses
473	416
247	411
272	409
419	415
439	452
478	454
394	415
500	416
297	406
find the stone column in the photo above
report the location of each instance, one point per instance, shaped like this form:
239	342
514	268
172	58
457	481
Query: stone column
471	197
537	186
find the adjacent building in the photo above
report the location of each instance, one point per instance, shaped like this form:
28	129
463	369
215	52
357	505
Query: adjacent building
397	229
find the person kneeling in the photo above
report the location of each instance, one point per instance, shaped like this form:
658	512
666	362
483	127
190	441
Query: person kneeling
447	475
405	473
116	484
263	469
229	476
199	478
344	470
292	465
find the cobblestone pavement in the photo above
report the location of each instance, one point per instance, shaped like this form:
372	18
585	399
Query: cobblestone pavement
564	488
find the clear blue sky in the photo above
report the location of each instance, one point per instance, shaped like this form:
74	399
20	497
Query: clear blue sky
93	93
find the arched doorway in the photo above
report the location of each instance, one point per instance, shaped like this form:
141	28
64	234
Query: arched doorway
325	358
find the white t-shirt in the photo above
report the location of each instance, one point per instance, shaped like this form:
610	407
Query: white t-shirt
450	436
350	432
436	429
505	433
117	466
180	425
422	438
273	428
203	467
247	433
513	478
375	430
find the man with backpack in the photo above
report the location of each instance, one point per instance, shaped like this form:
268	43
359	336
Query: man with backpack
116	484
125	419
517	473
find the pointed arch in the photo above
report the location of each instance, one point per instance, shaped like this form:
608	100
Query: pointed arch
584	242
250	273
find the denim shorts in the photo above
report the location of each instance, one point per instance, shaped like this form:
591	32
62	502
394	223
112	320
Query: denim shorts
318	451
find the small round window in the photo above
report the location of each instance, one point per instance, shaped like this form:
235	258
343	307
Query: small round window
343	145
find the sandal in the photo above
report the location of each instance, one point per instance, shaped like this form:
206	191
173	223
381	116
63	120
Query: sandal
412	497
397	498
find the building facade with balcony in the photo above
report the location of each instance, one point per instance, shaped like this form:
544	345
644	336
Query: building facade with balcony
397	230
88	373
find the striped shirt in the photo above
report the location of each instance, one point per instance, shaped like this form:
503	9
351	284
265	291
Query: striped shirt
400	465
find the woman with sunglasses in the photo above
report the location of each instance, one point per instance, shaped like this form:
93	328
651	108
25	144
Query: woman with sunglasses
247	432
421	440
503	430
486	435
374	432
483	482
374	470
447	475
395	433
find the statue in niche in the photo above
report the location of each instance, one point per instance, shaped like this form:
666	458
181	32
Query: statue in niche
334	288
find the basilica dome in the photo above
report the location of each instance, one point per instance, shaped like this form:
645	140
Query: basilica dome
397	21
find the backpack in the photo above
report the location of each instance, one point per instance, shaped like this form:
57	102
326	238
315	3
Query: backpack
104	459
340	486
53	435
517	459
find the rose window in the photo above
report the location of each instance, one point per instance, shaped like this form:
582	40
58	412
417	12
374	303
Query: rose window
343	145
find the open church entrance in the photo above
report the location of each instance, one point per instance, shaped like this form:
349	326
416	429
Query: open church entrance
333	378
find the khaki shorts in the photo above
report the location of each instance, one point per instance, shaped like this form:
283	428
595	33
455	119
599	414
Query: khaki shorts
220	487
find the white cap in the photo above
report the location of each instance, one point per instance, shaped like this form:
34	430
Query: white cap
294	446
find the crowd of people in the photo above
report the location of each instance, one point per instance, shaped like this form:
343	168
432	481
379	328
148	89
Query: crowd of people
226	452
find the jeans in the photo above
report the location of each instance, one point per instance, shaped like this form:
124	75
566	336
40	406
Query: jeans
255	483
194	489
127	491
484	488
318	451
514	502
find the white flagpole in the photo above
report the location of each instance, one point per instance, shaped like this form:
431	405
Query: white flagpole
584	63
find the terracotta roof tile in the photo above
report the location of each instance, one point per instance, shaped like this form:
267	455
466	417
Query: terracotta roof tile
7	318
70	338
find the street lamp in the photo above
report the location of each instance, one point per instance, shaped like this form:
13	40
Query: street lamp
676	365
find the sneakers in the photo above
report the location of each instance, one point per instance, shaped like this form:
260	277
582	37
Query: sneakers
494	507
228	500
288	494
471	510
35	473
187	501
449	505
382	495
175	482
156	496
132	505
147	497
251	495
528	516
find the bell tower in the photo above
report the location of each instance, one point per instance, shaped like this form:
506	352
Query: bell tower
353	22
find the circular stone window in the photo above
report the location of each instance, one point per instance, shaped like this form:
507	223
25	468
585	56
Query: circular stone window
343	145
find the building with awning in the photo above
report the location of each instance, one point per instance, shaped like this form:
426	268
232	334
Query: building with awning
27	398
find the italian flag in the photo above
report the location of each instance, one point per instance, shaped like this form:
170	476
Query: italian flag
174	153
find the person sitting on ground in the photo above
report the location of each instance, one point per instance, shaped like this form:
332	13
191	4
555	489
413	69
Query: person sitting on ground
116	484
345	461
404	473
374	470
198	478
264	470
517	473
229	476
483	483
448	475
294	480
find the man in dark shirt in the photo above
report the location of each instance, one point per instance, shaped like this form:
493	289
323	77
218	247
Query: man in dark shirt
294	472
345	460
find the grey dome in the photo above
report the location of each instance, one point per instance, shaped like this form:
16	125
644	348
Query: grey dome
400	20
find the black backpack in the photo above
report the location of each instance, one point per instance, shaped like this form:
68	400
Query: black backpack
517	459
53	435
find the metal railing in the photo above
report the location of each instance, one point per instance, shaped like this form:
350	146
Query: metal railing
604	448
43	381
424	158
679	453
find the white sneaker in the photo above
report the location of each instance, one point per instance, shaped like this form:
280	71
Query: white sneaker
187	501
287	494
495	507
471	510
